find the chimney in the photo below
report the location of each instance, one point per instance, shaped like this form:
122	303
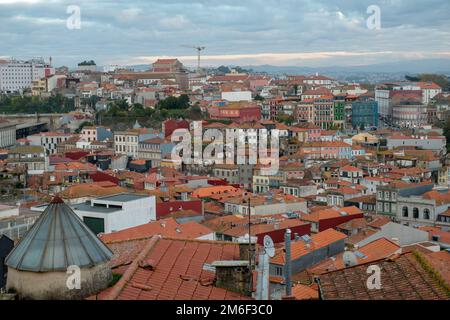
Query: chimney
244	247
287	266
234	276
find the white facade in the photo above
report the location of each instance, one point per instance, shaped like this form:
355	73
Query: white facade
7	211
236	96
126	143
120	211
384	102
49	140
89	134
19	75
7	135
428	94
266	209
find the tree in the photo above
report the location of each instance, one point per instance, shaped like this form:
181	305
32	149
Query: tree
258	97
84	124
447	133
194	113
439	79
223	69
362	127
182	102
286	119
26	104
412	78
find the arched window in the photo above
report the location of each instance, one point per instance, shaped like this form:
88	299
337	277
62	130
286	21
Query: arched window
426	214
405	212
416	213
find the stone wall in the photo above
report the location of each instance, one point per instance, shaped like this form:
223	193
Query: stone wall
53	285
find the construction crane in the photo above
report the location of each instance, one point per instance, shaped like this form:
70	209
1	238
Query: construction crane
199	53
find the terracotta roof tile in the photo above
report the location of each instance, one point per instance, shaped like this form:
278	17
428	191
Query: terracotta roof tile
177	272
299	249
319	215
167	227
302	292
403	278
373	251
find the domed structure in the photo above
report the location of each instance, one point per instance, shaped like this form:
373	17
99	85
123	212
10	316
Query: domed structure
40	266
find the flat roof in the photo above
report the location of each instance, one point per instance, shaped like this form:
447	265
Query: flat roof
97	209
123	197
29	125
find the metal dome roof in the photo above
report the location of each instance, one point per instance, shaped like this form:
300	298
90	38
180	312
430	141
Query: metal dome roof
57	240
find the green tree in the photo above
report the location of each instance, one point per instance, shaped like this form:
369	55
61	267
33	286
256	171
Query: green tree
447	133
84	124
258	97
286	119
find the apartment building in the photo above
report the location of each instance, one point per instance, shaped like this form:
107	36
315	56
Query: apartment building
427	209
34	158
7	134
49	140
388	195
17	75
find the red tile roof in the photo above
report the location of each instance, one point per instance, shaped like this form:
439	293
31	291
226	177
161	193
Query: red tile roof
403	278
379	221
316	216
444	237
375	250
166	227
302	292
299	248
168	269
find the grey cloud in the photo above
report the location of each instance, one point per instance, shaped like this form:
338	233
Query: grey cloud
121	30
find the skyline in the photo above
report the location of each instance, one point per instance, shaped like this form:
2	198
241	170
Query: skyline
281	33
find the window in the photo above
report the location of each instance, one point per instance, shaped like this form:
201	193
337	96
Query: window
279	271
416	213
405	212
426	214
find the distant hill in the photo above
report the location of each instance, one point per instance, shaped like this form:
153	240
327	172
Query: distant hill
441	66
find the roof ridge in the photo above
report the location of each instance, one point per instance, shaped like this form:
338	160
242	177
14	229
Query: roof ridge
390	258
127	276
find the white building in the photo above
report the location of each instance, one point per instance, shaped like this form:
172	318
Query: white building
127	143
429	91
89	134
7	134
237	96
8	211
318	80
383	97
18	75
49	140
117	212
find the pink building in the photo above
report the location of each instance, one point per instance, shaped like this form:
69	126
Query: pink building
89	134
236	112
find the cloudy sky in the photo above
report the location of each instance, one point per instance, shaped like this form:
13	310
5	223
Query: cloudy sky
235	32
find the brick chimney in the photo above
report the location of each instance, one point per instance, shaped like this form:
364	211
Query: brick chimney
244	246
234	276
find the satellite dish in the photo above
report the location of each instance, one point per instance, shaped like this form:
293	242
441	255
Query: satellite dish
350	259
269	246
